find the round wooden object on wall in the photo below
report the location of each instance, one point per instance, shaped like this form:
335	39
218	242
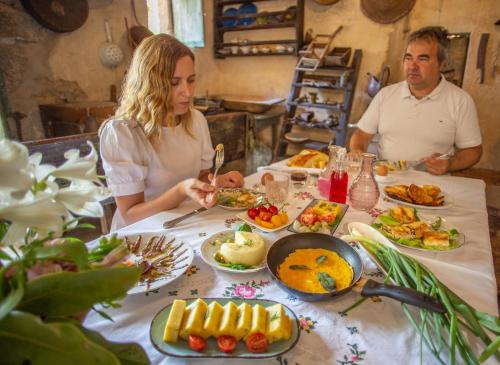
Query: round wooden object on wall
58	15
326	2
386	11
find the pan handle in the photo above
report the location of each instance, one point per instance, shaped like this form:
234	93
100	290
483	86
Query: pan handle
405	295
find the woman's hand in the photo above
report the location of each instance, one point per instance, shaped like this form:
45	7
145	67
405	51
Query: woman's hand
232	179
201	192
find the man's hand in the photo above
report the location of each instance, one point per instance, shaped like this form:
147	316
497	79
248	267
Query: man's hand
201	192
232	179
435	165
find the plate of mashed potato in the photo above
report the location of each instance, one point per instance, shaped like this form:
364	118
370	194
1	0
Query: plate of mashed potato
235	251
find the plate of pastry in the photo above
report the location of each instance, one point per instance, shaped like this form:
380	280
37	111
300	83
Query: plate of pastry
424	196
405	226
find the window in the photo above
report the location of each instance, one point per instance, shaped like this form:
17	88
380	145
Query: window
188	22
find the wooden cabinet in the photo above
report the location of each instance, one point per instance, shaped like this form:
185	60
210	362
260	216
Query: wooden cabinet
229	18
74	118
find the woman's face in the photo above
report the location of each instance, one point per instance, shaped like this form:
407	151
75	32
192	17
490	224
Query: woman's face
183	85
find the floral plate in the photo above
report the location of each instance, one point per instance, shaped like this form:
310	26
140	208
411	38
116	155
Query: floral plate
181	349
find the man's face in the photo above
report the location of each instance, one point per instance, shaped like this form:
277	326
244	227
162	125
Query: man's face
421	65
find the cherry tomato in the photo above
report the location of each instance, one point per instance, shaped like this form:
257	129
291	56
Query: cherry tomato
196	343
253	212
262	208
257	342
265	216
226	344
273	209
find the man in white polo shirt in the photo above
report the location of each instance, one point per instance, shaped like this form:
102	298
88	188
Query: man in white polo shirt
425	116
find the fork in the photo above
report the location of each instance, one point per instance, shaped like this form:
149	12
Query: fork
219	160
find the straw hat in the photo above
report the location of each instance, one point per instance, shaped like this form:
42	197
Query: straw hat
386	11
326	2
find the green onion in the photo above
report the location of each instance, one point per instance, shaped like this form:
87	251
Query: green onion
438	331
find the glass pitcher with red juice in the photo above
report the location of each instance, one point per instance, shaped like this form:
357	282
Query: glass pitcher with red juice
324	179
339	181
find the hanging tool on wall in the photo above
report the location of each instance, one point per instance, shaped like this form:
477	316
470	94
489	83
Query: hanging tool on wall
481	55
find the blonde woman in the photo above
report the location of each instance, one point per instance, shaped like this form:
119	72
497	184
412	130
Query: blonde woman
157	150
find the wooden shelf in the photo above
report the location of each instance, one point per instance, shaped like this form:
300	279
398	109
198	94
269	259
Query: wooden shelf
334	107
275	20
255	54
343	108
239	28
232	2
321	87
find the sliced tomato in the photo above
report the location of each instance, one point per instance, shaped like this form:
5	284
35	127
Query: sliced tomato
328	218
197	343
257	342
226	344
308	219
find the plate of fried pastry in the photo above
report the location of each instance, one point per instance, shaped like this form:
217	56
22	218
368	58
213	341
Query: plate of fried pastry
424	196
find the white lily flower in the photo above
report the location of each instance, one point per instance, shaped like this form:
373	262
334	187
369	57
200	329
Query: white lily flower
41	171
83	197
39	212
78	168
15	175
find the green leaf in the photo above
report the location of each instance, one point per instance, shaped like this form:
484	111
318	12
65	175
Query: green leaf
437	224
24	338
11	301
245	228
490	350
67	293
86	225
326	281
68	251
320	259
4	255
298	267
4	227
388	220
128	353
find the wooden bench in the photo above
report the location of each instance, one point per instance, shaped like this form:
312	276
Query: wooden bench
52	150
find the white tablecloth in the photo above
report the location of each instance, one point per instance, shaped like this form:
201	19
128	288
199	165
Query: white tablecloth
373	333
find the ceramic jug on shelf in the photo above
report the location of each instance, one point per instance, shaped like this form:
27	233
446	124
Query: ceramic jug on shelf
377	83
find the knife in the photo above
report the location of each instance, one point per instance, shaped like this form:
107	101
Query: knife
481	55
174	222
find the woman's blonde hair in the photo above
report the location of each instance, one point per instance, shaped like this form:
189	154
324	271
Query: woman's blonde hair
147	88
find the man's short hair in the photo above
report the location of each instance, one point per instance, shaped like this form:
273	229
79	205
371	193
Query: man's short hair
438	34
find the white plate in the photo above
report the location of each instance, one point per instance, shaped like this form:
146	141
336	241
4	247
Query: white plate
388	179
209	247
185	252
281	165
296	137
293	209
448	201
430	219
258	196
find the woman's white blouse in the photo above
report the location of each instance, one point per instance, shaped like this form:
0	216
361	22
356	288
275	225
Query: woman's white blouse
133	165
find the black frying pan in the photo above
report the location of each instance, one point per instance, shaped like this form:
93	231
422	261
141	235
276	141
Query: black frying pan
286	245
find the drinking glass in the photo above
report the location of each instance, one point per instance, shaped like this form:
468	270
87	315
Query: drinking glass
353	167
277	189
299	179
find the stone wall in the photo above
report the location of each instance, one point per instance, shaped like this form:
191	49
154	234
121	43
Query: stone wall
381	44
42	66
